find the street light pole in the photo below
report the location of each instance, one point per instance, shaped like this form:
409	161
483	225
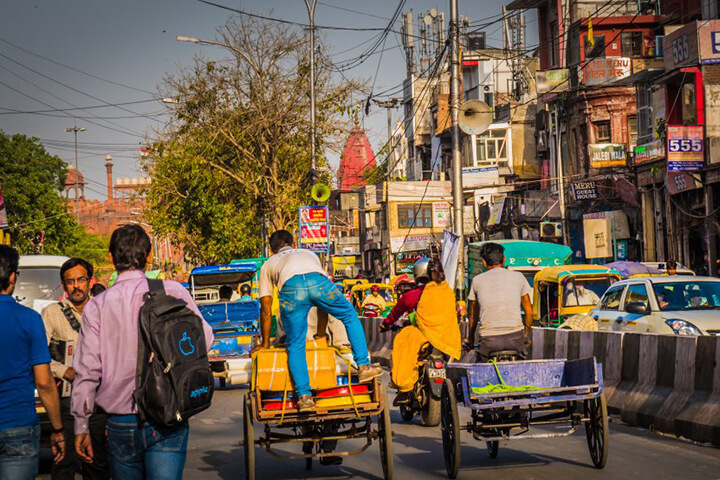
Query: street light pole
455	133
75	130
311	14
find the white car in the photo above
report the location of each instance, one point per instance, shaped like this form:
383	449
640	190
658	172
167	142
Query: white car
678	305
39	280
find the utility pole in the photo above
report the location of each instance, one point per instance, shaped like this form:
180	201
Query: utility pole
310	4
455	93
560	174
388	105
75	130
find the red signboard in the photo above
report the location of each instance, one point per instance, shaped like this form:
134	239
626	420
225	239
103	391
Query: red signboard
685	148
313	214
314	228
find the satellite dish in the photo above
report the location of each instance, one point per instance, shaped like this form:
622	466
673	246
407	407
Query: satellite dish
320	192
427	20
475	117
433	12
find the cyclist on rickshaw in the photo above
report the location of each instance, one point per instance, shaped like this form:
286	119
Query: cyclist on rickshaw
374	298
435	322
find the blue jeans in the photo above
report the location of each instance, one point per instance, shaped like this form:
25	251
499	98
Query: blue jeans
298	295
136	453
19	452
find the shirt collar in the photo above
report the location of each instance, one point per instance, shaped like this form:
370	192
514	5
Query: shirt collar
128	275
7	298
285	248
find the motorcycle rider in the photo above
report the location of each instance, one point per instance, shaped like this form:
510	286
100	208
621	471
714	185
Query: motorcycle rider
408	302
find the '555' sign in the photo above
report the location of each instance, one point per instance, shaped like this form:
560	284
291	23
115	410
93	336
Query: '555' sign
685	145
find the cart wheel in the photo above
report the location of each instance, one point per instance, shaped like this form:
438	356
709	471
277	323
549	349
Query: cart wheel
430	413
248	440
406	413
597	430
385	440
450	429
492	448
308	463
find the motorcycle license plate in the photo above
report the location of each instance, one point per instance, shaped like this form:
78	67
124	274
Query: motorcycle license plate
436	373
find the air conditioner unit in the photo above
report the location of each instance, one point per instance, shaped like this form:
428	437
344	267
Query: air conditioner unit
551	229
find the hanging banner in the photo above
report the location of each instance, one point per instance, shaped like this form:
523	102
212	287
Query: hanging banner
584	190
552	81
449	256
598	238
496	211
604	155
441	215
685	148
3	212
314	228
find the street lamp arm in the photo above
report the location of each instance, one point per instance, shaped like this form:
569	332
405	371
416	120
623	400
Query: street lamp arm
202	41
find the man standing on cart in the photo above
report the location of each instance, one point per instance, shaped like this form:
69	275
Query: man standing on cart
495	297
302	283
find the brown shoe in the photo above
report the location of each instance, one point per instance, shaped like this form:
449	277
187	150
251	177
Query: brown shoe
367	372
306	404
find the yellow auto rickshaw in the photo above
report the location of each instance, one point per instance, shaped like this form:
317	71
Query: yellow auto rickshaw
349	283
567	290
359	292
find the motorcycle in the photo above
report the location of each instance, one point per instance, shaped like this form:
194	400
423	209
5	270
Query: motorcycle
424	398
370	310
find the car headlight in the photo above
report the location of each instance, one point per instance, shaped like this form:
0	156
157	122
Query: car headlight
683	327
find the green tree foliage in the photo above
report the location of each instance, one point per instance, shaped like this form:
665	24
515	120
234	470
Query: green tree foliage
32	180
91	247
236	154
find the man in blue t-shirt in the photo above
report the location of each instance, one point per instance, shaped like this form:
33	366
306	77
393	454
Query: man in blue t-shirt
24	367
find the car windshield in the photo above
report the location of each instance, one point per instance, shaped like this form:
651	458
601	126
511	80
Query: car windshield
688	295
584	292
37	283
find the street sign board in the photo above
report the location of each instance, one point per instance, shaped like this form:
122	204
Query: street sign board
649	152
552	81
603	155
584	190
685	148
607	70
314	228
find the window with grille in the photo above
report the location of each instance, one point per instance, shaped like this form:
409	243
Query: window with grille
414	216
602	132
492	148
632	126
631	44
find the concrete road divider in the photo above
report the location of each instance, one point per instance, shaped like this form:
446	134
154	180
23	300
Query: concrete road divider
661	382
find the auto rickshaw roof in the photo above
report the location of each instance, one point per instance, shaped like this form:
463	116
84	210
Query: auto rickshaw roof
531	253
368	286
553	274
221	274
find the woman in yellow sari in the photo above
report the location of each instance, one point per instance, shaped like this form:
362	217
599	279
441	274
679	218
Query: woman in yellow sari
435	323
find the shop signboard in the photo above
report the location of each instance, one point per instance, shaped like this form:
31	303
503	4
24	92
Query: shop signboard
441	215
411	243
678	182
496	211
601	71
681	47
584	190
474	177
604	155
649	152
685	148
598	238
709	40
314	228
552	81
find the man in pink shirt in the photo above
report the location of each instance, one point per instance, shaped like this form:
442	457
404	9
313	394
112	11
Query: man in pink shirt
105	363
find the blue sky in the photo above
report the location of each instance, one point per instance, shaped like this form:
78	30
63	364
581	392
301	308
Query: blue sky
132	43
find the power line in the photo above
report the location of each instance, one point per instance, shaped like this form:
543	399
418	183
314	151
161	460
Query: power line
91	107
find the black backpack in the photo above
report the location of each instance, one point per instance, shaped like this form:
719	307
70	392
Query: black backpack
173	378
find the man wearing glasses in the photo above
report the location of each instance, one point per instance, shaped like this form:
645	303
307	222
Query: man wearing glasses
62	323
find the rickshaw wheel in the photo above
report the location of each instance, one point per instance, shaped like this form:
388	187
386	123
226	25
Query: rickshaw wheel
492	448
597	430
248	439
450	429
385	440
308	463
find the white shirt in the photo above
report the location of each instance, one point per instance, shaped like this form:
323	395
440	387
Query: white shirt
499	292
284	265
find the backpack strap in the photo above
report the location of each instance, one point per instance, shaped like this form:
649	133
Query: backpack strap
69	316
156	287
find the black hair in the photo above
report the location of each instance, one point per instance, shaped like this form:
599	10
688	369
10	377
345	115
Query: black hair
97	289
76	262
671	265
492	253
280	239
245	289
9	264
435	271
130	247
225	291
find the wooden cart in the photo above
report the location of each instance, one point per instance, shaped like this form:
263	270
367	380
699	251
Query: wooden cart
327	422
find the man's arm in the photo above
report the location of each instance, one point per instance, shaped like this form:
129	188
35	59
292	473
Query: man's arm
265	321
47	391
527	308
473	317
398	311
